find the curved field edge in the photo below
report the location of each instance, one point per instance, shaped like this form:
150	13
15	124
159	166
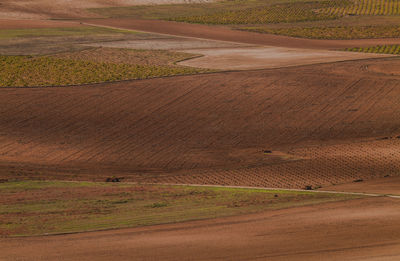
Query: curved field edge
30	208
66	70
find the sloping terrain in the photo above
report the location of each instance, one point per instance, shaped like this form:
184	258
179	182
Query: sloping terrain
357	230
164	130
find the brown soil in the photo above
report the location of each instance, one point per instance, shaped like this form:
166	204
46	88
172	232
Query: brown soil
334	231
210	129
226	34
386	185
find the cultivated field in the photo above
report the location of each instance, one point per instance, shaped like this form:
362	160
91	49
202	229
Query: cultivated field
201	130
176	129
347	19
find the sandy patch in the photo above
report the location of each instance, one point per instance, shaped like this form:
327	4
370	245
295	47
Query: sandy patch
266	57
168	43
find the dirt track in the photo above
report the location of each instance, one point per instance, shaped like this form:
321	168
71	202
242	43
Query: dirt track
366	230
210	129
226	34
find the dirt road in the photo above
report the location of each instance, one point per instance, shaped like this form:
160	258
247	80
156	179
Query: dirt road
366	230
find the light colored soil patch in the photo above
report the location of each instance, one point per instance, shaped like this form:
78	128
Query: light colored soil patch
42	9
266	57
168	43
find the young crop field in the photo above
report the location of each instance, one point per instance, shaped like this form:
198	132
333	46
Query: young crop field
364	7
385	49
89	66
282	13
333	33
43	207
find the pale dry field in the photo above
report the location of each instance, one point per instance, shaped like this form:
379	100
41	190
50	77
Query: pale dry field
44	9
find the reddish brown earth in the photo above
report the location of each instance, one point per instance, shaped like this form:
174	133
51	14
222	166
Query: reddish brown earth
363	229
226	34
324	123
386	185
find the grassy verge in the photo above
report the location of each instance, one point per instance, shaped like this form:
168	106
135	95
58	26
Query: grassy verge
93	66
384	49
333	33
41	207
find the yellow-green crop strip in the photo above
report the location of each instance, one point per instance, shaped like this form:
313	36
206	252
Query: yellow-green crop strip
280	13
365	7
25	71
48	207
383	49
332	33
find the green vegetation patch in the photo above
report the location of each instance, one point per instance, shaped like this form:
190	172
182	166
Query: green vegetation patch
53	32
332	33
384	49
42	207
24	71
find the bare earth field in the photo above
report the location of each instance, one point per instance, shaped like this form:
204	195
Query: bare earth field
324	122
334	231
310	117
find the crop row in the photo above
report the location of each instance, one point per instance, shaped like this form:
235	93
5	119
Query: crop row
333	33
365	7
294	12
49	71
384	49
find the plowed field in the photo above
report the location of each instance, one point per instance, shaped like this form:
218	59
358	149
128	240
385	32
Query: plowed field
210	129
